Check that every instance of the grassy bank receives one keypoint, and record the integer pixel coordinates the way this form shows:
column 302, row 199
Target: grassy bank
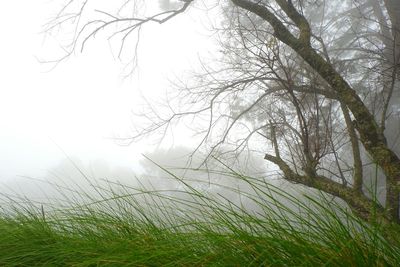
column 118, row 225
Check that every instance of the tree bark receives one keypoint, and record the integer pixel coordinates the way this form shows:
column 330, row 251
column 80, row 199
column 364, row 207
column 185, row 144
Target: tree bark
column 363, row 207
column 365, row 123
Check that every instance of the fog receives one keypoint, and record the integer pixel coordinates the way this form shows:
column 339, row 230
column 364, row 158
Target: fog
column 62, row 122
column 78, row 108
column 164, row 177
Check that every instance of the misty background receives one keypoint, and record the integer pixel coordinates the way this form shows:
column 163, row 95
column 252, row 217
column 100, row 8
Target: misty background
column 62, row 124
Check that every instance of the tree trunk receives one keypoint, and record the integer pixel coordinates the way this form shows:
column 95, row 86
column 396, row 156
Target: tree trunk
column 365, row 123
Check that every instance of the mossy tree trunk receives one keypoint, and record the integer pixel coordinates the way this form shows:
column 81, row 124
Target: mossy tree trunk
column 364, row 122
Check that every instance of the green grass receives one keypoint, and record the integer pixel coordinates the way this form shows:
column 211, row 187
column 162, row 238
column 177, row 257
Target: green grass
column 117, row 225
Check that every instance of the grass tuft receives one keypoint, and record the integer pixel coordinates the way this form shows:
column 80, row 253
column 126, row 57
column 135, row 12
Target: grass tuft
column 254, row 224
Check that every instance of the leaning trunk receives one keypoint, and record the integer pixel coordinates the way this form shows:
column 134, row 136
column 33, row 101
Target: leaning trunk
column 365, row 123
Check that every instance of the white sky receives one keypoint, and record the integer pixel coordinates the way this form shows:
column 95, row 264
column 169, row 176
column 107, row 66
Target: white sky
column 84, row 101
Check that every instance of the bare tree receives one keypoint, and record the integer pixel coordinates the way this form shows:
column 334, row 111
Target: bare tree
column 314, row 78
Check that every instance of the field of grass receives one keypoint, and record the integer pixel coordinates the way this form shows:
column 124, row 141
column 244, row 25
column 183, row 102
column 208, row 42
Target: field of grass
column 123, row 226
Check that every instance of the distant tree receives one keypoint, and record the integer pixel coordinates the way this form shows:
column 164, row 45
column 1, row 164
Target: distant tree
column 318, row 79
